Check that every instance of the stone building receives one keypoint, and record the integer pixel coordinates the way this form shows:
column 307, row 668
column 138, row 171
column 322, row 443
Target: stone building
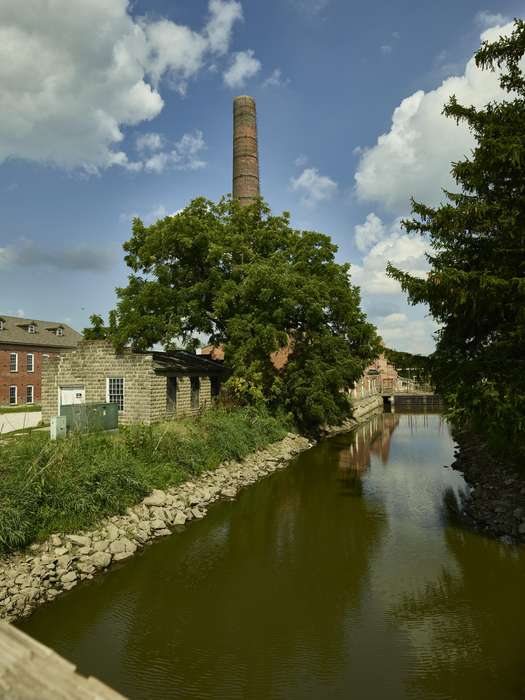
column 24, row 343
column 147, row 387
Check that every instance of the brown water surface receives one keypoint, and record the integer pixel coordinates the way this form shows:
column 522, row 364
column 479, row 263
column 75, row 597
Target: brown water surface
column 343, row 576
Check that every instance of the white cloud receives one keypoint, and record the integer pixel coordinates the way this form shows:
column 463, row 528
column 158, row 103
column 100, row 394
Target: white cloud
column 72, row 81
column 301, row 161
column 488, row 19
column 185, row 155
column 414, row 157
column 313, row 186
column 372, row 231
column 243, row 67
column 403, row 333
column 406, row 251
column 223, row 16
column 149, row 142
column 275, row 79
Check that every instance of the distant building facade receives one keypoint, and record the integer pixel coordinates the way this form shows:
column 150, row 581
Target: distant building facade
column 24, row 343
column 147, row 387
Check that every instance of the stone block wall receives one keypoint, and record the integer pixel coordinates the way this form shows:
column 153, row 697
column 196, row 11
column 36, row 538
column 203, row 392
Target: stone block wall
column 89, row 366
column 145, row 392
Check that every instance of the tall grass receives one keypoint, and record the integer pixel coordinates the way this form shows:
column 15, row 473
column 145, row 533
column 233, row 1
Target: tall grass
column 66, row 486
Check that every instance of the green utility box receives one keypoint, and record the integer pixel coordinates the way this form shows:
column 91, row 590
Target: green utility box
column 90, row 417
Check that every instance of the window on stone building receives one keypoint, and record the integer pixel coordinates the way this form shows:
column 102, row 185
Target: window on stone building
column 60, row 331
column 31, row 328
column 30, row 362
column 12, row 395
column 13, row 362
column 30, row 393
column 115, row 391
column 2, row 324
column 195, row 392
column 171, row 403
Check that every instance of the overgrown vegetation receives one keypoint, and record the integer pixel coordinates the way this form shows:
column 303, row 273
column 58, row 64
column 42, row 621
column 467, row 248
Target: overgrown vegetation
column 417, row 367
column 476, row 286
column 252, row 284
column 67, row 486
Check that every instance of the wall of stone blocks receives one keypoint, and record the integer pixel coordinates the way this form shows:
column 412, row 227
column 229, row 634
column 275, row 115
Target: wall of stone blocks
column 145, row 393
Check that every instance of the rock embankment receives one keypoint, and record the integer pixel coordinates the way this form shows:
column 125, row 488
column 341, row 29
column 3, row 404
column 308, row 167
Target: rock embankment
column 361, row 412
column 496, row 501
column 42, row 573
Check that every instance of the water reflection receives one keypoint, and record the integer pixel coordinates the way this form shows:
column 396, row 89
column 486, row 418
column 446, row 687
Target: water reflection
column 341, row 576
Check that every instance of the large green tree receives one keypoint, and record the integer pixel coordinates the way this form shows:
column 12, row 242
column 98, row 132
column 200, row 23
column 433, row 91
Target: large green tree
column 252, row 284
column 476, row 286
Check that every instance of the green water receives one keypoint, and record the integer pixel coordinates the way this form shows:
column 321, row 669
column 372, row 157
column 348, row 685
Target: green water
column 342, row 576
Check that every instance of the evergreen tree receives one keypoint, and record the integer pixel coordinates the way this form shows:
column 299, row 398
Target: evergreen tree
column 476, row 286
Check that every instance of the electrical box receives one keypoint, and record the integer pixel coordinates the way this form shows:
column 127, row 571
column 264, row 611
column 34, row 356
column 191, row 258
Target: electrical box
column 58, row 428
column 90, row 417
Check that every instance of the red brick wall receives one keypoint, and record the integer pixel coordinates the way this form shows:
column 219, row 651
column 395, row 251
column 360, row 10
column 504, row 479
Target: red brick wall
column 22, row 378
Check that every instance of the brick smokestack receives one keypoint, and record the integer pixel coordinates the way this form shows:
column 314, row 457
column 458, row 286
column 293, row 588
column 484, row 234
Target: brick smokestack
column 245, row 151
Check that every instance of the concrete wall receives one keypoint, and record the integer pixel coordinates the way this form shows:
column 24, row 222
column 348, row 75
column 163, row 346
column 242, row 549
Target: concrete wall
column 145, row 392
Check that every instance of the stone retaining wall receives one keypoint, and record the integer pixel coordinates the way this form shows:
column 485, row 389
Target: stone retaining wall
column 40, row 574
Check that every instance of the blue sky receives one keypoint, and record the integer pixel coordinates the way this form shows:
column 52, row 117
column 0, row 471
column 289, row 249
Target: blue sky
column 113, row 109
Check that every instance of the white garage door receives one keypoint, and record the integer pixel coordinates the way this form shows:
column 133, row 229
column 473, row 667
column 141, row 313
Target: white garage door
column 72, row 395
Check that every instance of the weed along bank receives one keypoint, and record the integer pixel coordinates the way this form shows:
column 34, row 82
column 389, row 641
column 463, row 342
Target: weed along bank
column 147, row 387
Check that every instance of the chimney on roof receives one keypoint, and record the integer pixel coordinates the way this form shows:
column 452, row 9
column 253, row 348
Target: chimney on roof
column 245, row 151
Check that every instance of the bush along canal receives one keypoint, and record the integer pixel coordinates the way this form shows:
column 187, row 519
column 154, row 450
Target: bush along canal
column 345, row 575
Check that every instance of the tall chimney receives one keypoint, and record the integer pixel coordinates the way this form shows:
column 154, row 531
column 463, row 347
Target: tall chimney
column 245, row 152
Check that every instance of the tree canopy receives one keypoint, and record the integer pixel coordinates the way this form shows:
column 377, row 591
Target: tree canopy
column 476, row 285
column 247, row 281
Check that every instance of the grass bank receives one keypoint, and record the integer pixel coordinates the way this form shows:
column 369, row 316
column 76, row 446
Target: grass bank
column 26, row 408
column 66, row 486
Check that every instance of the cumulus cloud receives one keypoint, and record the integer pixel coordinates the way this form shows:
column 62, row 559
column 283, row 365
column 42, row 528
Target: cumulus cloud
column 83, row 257
column 383, row 245
column 372, row 231
column 414, row 157
column 313, row 186
column 185, row 155
column 71, row 82
column 244, row 66
column 488, row 19
column 407, row 334
column 223, row 16
column 149, row 142
column 275, row 79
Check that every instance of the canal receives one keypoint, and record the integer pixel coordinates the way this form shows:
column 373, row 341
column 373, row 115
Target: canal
column 345, row 575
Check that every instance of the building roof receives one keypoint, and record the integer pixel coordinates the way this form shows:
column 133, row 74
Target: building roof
column 14, row 330
column 185, row 363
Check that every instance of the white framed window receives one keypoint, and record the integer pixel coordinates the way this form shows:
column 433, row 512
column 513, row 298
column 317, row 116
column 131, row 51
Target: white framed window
column 30, row 362
column 13, row 362
column 115, row 391
column 12, row 395
column 31, row 328
column 2, row 324
column 60, row 331
column 30, row 393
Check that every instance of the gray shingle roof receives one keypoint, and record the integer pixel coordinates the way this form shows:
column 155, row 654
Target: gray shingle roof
column 15, row 331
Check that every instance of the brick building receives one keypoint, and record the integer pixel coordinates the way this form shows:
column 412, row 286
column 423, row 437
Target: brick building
column 23, row 345
column 147, row 387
